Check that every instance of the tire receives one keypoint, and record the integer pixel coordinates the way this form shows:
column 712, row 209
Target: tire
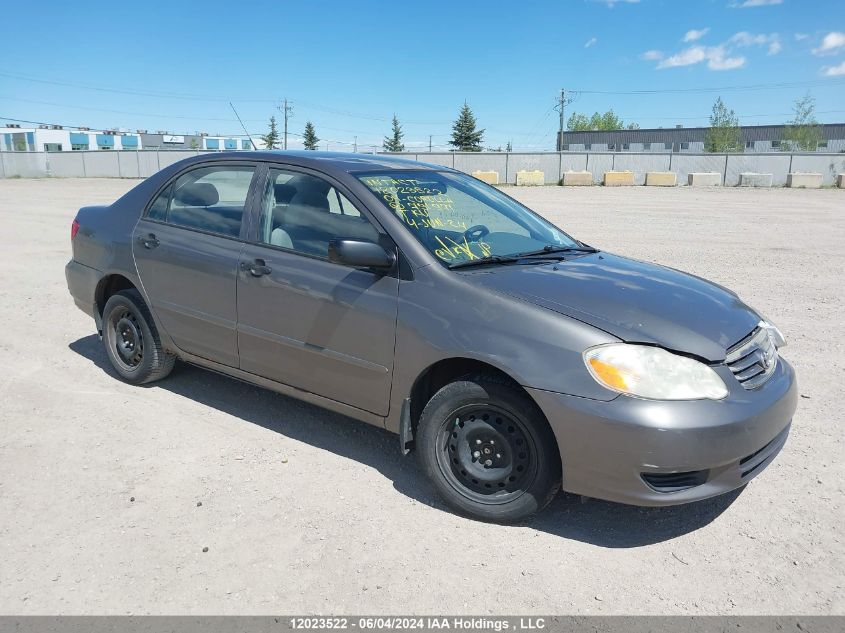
column 131, row 340
column 488, row 450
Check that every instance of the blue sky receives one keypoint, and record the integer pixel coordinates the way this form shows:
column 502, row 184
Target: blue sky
column 348, row 66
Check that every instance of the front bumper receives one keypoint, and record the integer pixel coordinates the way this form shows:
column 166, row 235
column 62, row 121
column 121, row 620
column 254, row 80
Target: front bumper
column 606, row 447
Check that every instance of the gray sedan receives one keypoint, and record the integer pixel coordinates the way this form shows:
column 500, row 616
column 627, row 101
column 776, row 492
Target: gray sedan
column 511, row 357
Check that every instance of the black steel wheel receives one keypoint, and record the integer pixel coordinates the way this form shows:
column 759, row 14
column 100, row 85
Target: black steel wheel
column 131, row 340
column 486, row 454
column 489, row 450
column 127, row 338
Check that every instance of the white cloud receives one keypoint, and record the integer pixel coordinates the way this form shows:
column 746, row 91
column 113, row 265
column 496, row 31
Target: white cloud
column 717, row 58
column 722, row 56
column 744, row 38
column 687, row 57
column 800, row 37
column 755, row 3
column 831, row 43
column 695, row 34
column 834, row 71
column 591, row 42
column 611, row 3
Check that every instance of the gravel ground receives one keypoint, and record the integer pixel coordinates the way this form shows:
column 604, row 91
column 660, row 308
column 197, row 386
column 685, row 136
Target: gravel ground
column 307, row 511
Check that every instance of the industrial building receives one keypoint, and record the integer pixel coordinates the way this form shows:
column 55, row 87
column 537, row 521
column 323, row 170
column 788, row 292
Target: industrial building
column 755, row 138
column 55, row 138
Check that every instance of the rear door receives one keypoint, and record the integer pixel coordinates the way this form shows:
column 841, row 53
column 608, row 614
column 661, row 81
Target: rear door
column 186, row 249
column 303, row 320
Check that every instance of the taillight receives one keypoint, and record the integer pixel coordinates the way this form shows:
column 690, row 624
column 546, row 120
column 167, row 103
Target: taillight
column 74, row 228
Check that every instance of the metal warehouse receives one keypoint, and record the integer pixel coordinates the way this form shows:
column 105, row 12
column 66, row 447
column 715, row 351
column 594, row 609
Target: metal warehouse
column 756, row 138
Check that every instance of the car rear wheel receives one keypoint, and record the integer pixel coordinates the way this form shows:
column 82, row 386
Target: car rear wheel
column 488, row 450
column 131, row 340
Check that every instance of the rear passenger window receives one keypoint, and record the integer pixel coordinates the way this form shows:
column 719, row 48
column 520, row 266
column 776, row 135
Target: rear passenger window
column 303, row 213
column 209, row 199
column 158, row 209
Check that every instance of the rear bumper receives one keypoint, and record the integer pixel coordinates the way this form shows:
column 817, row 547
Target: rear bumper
column 82, row 283
column 607, row 447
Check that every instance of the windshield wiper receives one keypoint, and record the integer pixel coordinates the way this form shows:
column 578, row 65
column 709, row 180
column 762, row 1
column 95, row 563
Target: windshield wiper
column 551, row 248
column 486, row 261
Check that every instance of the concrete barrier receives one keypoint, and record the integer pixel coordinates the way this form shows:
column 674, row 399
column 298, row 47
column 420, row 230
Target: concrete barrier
column 749, row 179
column 490, row 177
column 840, row 181
column 661, row 179
column 618, row 178
column 804, row 181
column 577, row 179
column 530, row 178
column 704, row 179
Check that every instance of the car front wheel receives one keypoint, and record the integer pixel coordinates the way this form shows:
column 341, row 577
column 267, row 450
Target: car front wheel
column 132, row 341
column 488, row 450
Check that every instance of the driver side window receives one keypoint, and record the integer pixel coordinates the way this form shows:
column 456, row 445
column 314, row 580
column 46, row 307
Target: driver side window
column 302, row 213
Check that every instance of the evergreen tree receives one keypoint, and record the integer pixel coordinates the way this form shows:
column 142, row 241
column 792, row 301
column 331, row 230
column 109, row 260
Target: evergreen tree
column 309, row 139
column 724, row 134
column 803, row 132
column 271, row 139
column 465, row 138
column 509, row 147
column 394, row 142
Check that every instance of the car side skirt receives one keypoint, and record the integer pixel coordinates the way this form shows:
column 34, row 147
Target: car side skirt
column 285, row 390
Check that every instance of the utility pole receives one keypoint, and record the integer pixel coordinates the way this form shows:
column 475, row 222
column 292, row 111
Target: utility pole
column 286, row 110
column 355, row 146
column 563, row 100
column 561, row 105
column 429, row 143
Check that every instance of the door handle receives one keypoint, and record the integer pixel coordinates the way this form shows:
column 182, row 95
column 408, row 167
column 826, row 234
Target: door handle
column 150, row 241
column 256, row 268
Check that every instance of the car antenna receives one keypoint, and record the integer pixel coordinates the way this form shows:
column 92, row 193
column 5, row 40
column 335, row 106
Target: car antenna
column 242, row 125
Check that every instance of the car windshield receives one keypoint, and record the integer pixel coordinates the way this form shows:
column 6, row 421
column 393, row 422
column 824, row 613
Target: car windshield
column 460, row 219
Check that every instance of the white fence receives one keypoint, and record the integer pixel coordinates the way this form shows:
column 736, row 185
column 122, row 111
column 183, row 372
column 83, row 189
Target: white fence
column 140, row 164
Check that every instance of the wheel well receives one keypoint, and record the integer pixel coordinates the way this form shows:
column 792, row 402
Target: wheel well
column 442, row 373
column 109, row 285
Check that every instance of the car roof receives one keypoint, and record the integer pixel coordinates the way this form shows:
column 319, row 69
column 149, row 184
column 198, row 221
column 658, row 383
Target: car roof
column 327, row 161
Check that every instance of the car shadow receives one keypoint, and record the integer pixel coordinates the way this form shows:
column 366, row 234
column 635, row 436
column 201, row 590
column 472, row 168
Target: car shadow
column 600, row 523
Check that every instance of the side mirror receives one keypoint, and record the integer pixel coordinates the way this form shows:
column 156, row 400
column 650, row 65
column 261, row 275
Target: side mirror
column 360, row 254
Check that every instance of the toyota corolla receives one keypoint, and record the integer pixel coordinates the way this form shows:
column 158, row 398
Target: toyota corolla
column 511, row 357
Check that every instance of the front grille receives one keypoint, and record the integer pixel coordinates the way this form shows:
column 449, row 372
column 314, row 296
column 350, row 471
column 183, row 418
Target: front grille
column 753, row 360
column 675, row 482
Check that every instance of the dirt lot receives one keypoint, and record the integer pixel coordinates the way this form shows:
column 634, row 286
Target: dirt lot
column 307, row 511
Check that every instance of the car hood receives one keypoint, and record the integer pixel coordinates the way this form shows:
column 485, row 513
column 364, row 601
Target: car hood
column 632, row 300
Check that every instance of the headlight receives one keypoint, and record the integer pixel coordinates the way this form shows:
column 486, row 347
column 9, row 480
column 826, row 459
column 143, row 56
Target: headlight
column 774, row 333
column 652, row 372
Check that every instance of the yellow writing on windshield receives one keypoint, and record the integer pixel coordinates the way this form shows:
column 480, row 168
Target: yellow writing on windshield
column 450, row 249
column 419, row 204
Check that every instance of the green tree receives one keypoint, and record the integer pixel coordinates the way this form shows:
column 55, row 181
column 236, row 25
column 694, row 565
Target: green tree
column 609, row 121
column 509, row 147
column 194, row 144
column 393, row 143
column 465, row 138
column 803, row 132
column 271, row 139
column 309, row 139
column 724, row 134
column 606, row 122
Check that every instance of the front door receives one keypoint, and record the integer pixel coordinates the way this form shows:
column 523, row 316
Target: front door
column 186, row 249
column 303, row 320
